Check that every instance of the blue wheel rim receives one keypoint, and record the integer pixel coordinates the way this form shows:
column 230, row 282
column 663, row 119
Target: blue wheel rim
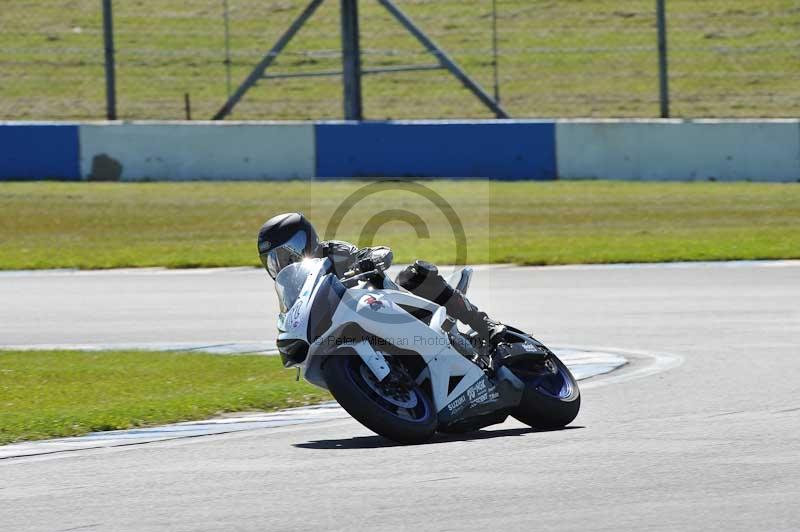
column 421, row 412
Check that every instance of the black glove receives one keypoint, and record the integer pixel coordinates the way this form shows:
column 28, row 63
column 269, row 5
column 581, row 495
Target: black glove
column 365, row 265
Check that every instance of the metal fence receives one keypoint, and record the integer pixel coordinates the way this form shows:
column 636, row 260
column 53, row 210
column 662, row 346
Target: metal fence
column 541, row 58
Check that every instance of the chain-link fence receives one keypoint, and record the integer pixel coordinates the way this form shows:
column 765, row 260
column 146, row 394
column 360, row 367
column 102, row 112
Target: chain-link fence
column 543, row 58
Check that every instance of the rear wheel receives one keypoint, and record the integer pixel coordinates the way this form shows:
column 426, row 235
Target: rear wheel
column 551, row 398
column 396, row 408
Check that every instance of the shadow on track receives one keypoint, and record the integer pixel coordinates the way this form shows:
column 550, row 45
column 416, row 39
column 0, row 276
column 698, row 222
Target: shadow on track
column 376, row 442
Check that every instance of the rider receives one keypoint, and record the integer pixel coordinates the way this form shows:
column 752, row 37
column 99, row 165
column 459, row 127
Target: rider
column 288, row 238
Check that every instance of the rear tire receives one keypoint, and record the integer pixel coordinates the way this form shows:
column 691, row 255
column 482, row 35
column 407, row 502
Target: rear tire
column 346, row 381
column 550, row 401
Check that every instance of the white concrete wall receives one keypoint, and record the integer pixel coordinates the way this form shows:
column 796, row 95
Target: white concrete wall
column 725, row 150
column 212, row 150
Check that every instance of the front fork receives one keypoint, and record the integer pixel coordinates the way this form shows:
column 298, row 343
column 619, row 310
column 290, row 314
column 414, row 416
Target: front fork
column 374, row 360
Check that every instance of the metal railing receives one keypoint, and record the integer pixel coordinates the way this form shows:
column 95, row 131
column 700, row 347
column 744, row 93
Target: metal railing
column 175, row 59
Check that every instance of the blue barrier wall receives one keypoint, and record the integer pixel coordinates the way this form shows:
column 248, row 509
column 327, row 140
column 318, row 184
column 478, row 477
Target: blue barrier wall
column 734, row 150
column 494, row 149
column 39, row 151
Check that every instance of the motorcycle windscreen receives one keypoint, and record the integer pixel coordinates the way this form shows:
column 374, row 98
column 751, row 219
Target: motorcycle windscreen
column 289, row 282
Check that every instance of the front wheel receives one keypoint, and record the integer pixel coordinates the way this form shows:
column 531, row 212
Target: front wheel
column 551, row 399
column 396, row 409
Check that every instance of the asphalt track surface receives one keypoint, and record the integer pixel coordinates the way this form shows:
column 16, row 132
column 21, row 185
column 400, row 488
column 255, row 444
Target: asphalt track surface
column 711, row 444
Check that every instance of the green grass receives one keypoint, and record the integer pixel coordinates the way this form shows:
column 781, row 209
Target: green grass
column 108, row 225
column 48, row 394
column 567, row 58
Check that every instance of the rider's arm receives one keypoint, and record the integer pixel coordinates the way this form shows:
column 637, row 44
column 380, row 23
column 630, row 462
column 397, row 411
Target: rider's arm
column 341, row 253
column 345, row 255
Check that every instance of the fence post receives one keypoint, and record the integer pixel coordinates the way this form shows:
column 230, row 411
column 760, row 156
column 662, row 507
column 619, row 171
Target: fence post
column 228, row 65
column 351, row 59
column 111, row 83
column 495, row 53
column 663, row 69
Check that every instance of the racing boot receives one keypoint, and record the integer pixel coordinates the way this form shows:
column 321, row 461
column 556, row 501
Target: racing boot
column 423, row 279
column 491, row 331
column 460, row 308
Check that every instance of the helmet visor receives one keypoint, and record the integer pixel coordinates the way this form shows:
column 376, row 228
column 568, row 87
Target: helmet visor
column 288, row 253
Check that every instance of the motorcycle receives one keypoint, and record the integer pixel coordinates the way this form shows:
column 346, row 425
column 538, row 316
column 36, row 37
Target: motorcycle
column 401, row 367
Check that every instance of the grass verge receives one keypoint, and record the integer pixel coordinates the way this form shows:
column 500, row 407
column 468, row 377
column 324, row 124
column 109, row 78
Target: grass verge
column 49, row 394
column 112, row 225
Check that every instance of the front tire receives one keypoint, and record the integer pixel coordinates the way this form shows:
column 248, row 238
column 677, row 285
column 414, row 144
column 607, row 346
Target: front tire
column 348, row 380
column 551, row 399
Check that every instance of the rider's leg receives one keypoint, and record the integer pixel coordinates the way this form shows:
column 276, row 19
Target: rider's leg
column 423, row 279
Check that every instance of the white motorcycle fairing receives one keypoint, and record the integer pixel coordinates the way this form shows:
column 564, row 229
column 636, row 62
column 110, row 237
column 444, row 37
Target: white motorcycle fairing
column 322, row 316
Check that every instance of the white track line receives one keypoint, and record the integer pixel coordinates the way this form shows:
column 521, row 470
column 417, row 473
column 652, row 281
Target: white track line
column 583, row 362
column 660, row 362
column 477, row 267
column 676, row 265
column 217, row 348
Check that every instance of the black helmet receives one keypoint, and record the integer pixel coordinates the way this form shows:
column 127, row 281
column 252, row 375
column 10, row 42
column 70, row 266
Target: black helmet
column 285, row 239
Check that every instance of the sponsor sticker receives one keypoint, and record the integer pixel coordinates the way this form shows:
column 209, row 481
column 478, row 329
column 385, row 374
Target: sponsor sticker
column 481, row 392
column 373, row 303
column 476, row 389
column 293, row 315
column 457, row 403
